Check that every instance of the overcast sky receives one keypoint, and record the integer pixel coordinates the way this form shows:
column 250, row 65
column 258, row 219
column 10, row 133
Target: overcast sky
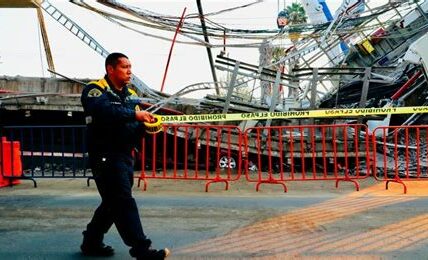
column 22, row 53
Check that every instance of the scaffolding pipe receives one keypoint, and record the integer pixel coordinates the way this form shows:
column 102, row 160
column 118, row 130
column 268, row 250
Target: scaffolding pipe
column 210, row 57
column 172, row 46
column 45, row 38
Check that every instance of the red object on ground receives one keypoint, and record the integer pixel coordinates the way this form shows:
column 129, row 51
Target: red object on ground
column 10, row 162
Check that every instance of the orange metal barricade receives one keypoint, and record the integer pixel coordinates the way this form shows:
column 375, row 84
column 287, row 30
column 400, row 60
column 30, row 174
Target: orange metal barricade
column 193, row 152
column 400, row 154
column 279, row 154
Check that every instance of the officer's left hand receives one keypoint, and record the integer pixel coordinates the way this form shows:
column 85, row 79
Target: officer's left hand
column 144, row 116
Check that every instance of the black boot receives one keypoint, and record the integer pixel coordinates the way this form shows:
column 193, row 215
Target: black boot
column 97, row 250
column 145, row 252
column 153, row 254
column 93, row 246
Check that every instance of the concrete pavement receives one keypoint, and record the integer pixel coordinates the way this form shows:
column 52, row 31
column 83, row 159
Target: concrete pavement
column 312, row 221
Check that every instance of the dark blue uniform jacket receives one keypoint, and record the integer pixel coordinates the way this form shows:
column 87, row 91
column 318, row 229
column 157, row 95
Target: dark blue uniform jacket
column 112, row 128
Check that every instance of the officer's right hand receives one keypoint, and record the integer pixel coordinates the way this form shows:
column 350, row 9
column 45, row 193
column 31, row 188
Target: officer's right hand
column 144, row 116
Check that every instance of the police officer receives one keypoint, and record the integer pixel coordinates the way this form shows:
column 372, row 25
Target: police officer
column 113, row 129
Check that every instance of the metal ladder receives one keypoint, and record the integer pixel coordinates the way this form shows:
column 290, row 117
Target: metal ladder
column 75, row 29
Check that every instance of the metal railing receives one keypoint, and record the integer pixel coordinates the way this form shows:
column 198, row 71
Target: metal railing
column 400, row 154
column 221, row 153
column 307, row 153
column 45, row 151
column 211, row 153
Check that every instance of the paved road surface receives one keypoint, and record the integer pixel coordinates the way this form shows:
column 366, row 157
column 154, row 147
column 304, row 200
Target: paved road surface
column 312, row 221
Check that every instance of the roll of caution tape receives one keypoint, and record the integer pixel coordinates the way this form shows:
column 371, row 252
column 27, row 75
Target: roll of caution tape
column 154, row 127
column 322, row 113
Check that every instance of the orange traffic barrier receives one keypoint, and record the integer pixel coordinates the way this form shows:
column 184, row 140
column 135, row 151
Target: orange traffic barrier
column 10, row 162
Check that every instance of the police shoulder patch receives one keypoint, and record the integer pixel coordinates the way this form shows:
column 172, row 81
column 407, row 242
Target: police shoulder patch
column 94, row 92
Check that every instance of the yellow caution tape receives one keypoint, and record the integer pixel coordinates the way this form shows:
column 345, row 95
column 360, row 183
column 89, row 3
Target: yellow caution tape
column 345, row 112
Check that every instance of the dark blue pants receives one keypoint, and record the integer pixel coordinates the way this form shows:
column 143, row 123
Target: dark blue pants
column 114, row 178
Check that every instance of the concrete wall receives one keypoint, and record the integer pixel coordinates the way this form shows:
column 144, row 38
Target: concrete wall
column 44, row 85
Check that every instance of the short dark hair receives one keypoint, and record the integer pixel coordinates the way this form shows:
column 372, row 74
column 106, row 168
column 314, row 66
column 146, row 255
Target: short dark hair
column 113, row 59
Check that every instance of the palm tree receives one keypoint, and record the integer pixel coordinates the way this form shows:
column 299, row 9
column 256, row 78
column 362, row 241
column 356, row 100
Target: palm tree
column 297, row 16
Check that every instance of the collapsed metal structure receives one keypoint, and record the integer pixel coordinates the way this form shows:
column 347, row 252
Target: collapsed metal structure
column 381, row 65
column 315, row 72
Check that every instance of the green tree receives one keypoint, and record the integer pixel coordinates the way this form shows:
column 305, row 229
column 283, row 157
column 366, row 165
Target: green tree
column 297, row 16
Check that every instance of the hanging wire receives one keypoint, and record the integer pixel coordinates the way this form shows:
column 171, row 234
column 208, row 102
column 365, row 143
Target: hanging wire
column 112, row 18
column 218, row 32
column 344, row 26
column 229, row 9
